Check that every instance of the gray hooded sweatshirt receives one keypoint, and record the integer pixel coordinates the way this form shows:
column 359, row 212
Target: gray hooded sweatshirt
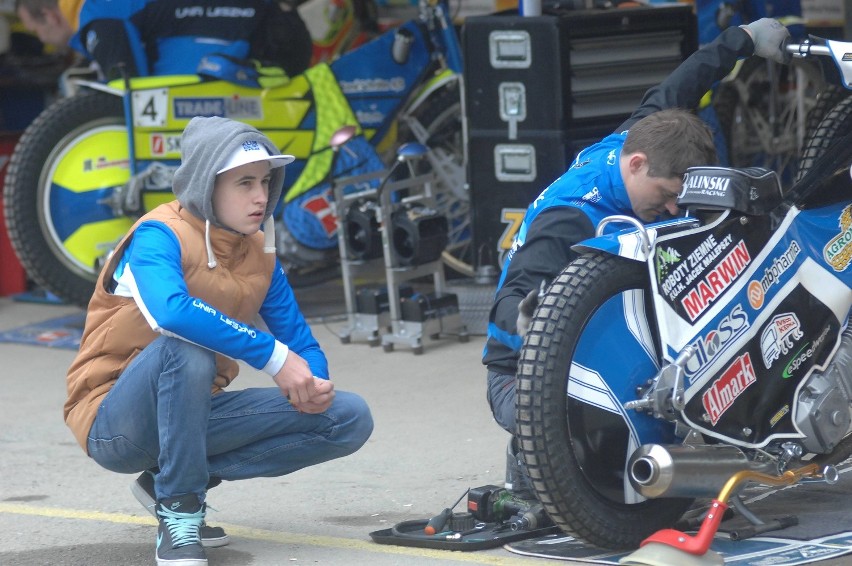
column 206, row 146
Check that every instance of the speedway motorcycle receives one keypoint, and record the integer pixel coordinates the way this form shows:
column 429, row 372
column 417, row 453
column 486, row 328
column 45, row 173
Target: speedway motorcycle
column 691, row 358
column 93, row 162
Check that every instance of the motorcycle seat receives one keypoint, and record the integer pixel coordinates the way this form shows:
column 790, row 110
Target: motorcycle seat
column 752, row 190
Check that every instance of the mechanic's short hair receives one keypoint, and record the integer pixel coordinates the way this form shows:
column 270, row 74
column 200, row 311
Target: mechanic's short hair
column 673, row 140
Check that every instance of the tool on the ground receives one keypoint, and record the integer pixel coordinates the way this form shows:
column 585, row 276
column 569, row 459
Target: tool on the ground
column 493, row 518
column 438, row 522
column 493, row 504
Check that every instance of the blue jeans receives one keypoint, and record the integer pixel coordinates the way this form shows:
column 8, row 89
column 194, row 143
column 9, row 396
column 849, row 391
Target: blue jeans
column 502, row 394
column 160, row 413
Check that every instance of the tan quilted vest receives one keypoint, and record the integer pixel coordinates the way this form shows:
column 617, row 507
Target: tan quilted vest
column 116, row 330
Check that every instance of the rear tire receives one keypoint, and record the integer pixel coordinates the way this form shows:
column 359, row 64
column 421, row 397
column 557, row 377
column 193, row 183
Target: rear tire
column 575, row 451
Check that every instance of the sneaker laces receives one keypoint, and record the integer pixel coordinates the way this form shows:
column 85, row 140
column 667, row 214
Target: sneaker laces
column 184, row 528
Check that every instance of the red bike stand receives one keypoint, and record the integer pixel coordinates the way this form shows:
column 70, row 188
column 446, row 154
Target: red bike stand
column 670, row 547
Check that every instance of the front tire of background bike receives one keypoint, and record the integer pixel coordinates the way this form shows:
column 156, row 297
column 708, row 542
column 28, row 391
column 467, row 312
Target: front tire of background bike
column 576, row 452
column 441, row 117
column 31, row 217
column 737, row 117
column 836, row 123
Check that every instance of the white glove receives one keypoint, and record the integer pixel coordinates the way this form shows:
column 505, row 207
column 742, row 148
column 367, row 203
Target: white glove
column 526, row 309
column 769, row 37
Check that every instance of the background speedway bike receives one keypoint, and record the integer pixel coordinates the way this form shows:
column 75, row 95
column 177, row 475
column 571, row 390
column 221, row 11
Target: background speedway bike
column 92, row 162
column 767, row 111
column 734, row 347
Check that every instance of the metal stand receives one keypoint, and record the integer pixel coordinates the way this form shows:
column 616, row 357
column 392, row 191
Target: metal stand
column 360, row 326
column 408, row 318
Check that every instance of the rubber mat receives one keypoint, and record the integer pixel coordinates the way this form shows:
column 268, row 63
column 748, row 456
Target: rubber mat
column 62, row 332
column 486, row 535
column 824, row 529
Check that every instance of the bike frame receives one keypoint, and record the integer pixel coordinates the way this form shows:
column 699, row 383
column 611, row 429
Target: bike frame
column 759, row 299
column 374, row 88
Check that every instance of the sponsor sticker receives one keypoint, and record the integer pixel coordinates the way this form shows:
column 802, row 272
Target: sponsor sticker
column 838, row 251
column 755, row 295
column 320, row 207
column 102, row 163
column 779, row 415
column 716, row 281
column 373, row 86
column 772, row 275
column 666, row 259
column 163, row 145
column 778, row 337
column 697, row 261
column 709, row 185
column 708, row 348
column 805, row 353
column 720, row 396
column 235, row 107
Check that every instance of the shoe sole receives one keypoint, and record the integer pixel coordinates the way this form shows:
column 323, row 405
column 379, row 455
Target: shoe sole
column 181, row 562
column 142, row 497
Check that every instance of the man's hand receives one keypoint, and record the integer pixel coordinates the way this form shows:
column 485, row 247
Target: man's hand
column 769, row 37
column 321, row 398
column 526, row 309
column 295, row 379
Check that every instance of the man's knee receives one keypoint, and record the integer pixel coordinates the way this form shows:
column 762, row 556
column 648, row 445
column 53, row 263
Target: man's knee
column 355, row 420
column 189, row 359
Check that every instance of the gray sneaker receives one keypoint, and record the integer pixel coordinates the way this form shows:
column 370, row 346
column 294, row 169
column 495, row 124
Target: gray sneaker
column 178, row 539
column 143, row 490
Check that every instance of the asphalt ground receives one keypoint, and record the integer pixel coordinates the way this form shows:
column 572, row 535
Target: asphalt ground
column 434, row 437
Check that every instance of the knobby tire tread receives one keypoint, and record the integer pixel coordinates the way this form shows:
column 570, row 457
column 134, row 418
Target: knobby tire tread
column 542, row 429
column 836, row 123
column 22, row 193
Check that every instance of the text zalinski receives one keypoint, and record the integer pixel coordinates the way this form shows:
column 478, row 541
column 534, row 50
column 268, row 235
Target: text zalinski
column 707, row 182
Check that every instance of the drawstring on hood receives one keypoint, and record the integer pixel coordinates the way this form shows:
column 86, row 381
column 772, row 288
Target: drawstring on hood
column 207, row 146
column 211, row 257
column 269, row 235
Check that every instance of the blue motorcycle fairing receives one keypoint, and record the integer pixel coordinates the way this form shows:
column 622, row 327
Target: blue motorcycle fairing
column 605, row 381
column 374, row 84
column 627, row 243
column 310, row 217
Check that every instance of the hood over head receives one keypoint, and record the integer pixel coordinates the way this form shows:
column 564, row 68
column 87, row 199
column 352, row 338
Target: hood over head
column 211, row 145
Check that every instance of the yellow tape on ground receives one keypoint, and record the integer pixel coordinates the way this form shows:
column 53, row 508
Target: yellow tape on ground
column 279, row 537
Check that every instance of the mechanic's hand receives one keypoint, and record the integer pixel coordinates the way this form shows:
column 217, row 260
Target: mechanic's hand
column 295, row 379
column 769, row 36
column 526, row 309
column 321, row 398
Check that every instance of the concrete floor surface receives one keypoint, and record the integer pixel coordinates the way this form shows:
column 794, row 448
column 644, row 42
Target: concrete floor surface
column 434, row 437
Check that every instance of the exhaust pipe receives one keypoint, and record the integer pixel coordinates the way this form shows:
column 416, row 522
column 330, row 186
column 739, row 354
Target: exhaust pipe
column 684, row 470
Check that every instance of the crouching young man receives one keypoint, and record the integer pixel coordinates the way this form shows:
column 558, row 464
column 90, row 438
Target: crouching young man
column 172, row 309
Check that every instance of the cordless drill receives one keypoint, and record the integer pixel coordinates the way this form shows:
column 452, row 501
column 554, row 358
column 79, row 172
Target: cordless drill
column 492, row 504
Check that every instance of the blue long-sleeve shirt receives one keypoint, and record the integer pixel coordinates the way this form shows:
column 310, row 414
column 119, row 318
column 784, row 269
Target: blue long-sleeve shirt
column 150, row 273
